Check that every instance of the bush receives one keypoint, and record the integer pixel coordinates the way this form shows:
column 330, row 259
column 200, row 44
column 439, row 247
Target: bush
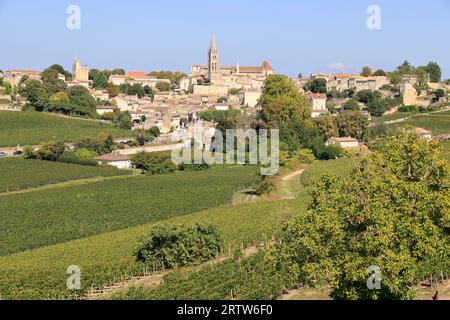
column 173, row 246
column 51, row 151
column 71, row 157
column 85, row 154
column 265, row 187
column 304, row 156
column 154, row 163
column 408, row 109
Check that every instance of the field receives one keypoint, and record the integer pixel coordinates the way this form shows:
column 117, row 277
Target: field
column 41, row 273
column 437, row 123
column 31, row 128
column 41, row 218
column 392, row 117
column 18, row 173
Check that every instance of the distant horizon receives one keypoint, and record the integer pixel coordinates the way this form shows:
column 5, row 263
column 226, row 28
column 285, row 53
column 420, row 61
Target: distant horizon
column 294, row 36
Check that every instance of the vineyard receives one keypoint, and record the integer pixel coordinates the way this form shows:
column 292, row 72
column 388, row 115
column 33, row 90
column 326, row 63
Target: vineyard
column 19, row 174
column 47, row 217
column 31, row 128
column 105, row 258
column 251, row 279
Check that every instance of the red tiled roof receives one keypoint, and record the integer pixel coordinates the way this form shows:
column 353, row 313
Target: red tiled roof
column 136, row 74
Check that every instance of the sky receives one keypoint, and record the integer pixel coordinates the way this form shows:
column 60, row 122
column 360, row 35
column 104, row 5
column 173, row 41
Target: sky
column 295, row 36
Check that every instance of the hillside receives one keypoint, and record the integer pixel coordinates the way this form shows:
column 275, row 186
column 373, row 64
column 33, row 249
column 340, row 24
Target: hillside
column 31, row 128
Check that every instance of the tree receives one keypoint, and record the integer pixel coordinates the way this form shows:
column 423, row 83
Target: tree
column 391, row 214
column 376, row 108
column 352, row 105
column 366, row 71
column 60, row 97
column 379, row 73
column 82, row 100
column 440, row 93
column 51, row 81
column 326, row 126
column 351, row 124
column 174, row 246
column 113, row 90
column 51, row 151
column 366, row 96
column 154, row 132
column 163, row 86
column 222, row 100
column 281, row 102
column 100, row 81
column 318, row 85
column 434, row 70
column 154, row 163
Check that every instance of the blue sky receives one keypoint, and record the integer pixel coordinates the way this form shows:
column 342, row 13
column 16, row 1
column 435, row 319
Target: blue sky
column 294, row 35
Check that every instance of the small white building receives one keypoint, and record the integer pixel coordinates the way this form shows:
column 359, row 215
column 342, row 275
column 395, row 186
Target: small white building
column 423, row 134
column 318, row 101
column 251, row 97
column 115, row 160
column 347, row 143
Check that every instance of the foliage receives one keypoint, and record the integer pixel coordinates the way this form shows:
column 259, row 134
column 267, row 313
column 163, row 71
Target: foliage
column 222, row 100
column 50, row 151
column 376, row 108
column 154, row 163
column 85, row 154
column 391, row 212
column 351, row 104
column 132, row 90
column 351, row 124
column 379, row 73
column 326, row 126
column 318, row 85
column 154, row 132
column 281, row 102
column 367, row 96
column 102, row 144
column 174, row 246
column 163, row 86
column 366, row 71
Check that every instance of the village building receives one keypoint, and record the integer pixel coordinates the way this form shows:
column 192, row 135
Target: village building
column 318, row 101
column 347, row 143
column 136, row 77
column 14, row 76
column 114, row 159
column 80, row 72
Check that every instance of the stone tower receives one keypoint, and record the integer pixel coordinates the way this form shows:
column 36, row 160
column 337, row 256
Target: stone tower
column 213, row 58
column 80, row 72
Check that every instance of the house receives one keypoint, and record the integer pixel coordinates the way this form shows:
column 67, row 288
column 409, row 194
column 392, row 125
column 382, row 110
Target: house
column 423, row 134
column 347, row 143
column 318, row 101
column 101, row 110
column 14, row 76
column 115, row 160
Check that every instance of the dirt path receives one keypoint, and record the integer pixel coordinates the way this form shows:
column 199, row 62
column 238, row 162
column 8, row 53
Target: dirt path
column 286, row 190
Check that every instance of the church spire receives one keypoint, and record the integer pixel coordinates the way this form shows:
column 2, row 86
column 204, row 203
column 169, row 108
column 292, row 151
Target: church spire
column 213, row 46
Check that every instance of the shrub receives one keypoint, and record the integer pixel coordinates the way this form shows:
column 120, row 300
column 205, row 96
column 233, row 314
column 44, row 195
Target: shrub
column 304, row 156
column 51, row 151
column 173, row 246
column 154, row 163
column 408, row 109
column 85, row 154
column 71, row 157
column 265, row 187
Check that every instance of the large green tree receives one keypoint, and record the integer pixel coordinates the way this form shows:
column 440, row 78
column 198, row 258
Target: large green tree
column 391, row 215
column 351, row 124
column 281, row 102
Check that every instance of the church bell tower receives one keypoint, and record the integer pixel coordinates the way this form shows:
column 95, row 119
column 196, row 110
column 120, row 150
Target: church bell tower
column 213, row 58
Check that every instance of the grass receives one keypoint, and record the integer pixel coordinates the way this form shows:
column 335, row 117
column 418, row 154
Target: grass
column 36, row 219
column 446, row 146
column 19, row 174
column 41, row 273
column 392, row 117
column 31, row 128
column 437, row 123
